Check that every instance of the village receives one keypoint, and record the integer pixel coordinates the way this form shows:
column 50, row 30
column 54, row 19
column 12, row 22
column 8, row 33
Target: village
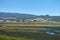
column 11, row 19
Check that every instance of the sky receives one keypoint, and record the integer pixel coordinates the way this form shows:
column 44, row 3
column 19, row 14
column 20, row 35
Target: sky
column 35, row 7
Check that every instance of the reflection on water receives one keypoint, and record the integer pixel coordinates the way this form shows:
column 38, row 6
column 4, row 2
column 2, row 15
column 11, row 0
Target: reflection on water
column 51, row 33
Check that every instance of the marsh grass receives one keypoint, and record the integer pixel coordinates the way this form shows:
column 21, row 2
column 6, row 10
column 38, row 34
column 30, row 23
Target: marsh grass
column 4, row 37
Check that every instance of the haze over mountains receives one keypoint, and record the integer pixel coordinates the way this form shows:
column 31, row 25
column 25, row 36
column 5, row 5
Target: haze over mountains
column 22, row 16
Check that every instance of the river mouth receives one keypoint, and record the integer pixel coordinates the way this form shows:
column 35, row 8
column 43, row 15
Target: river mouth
column 44, row 33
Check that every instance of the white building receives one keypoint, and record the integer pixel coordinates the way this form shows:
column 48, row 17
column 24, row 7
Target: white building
column 36, row 20
column 1, row 20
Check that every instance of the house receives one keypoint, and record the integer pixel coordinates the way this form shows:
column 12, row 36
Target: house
column 39, row 20
column 36, row 20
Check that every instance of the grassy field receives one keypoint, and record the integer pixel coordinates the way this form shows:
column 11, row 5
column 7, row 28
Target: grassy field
column 28, row 36
column 27, row 33
column 28, row 28
column 4, row 37
column 29, row 23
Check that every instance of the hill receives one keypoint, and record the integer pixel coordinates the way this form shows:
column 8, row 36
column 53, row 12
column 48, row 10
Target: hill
column 51, row 18
column 23, row 16
column 17, row 15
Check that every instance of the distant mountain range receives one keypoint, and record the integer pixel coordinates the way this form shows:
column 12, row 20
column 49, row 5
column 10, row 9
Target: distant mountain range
column 22, row 16
column 17, row 15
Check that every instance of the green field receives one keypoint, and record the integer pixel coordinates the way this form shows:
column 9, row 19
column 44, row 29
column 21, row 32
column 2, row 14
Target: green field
column 27, row 33
column 5, row 37
column 30, row 23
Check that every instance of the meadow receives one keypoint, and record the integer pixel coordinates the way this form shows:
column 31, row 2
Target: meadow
column 5, row 37
column 28, row 33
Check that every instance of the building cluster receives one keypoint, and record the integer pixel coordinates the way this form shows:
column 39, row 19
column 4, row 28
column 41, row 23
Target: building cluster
column 36, row 20
column 10, row 19
column 27, row 20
